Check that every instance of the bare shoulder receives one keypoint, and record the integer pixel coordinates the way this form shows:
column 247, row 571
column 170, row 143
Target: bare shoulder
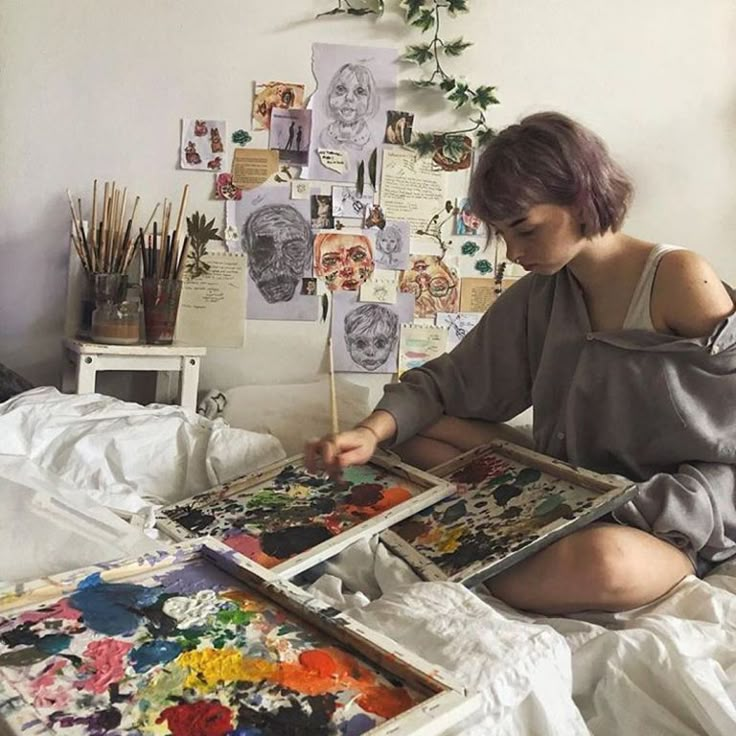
column 688, row 296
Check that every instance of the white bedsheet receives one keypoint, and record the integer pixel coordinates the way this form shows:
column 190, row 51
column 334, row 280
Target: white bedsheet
column 67, row 460
column 668, row 668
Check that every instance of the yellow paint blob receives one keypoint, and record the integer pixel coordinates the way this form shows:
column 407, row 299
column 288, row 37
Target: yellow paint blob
column 208, row 667
column 450, row 540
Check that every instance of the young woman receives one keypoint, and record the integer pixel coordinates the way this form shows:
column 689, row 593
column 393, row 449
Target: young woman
column 624, row 348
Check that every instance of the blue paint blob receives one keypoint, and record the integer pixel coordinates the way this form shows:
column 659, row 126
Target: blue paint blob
column 357, row 725
column 158, row 651
column 53, row 643
column 246, row 731
column 90, row 581
column 112, row 608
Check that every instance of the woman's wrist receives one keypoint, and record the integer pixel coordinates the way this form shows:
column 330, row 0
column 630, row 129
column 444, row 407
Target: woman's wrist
column 371, row 430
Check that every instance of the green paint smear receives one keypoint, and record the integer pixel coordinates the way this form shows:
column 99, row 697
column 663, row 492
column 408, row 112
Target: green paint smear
column 360, row 474
column 528, row 475
column 269, row 499
column 235, row 615
column 499, row 479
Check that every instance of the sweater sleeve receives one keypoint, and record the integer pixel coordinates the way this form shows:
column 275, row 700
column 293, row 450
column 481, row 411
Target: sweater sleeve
column 694, row 507
column 487, row 376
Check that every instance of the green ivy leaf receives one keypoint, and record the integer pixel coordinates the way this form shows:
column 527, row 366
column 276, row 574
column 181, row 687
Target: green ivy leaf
column 447, row 84
column 412, row 7
column 422, row 143
column 418, row 53
column 425, row 20
column 454, row 147
column 484, row 96
column 459, row 95
column 485, row 136
column 359, row 11
column 457, row 6
column 456, row 47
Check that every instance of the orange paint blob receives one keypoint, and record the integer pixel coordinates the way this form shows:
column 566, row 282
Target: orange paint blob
column 320, row 661
column 385, row 701
column 391, row 497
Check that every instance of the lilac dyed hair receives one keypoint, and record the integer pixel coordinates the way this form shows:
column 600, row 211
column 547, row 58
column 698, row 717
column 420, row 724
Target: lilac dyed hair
column 548, row 158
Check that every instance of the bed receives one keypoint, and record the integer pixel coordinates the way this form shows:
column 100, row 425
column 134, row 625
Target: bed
column 80, row 476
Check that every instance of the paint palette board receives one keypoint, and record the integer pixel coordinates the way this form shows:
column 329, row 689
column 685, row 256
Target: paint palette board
column 509, row 502
column 288, row 520
column 197, row 640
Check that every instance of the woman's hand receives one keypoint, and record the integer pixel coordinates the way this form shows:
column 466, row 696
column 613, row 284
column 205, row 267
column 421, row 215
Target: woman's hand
column 332, row 453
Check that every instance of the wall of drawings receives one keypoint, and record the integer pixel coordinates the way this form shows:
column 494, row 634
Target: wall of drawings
column 342, row 223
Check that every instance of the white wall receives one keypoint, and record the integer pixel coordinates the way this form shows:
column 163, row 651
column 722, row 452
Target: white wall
column 95, row 88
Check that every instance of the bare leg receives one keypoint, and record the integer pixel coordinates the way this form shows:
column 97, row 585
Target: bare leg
column 604, row 567
column 451, row 436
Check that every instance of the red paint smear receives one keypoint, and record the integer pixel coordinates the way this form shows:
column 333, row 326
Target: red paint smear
column 203, row 718
column 251, row 547
column 384, row 701
column 320, row 661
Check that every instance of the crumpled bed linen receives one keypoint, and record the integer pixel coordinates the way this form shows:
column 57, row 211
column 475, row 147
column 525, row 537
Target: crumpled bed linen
column 126, row 456
column 666, row 669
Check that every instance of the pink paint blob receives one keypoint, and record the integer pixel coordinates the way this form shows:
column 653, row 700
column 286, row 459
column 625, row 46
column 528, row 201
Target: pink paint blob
column 60, row 609
column 103, row 659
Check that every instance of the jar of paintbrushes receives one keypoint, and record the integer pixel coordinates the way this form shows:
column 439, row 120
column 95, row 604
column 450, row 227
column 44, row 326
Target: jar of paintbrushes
column 106, row 248
column 163, row 259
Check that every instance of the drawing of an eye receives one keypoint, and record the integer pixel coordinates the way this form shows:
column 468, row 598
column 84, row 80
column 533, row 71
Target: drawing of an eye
column 358, row 255
column 439, row 286
column 362, row 91
column 340, row 89
column 330, row 260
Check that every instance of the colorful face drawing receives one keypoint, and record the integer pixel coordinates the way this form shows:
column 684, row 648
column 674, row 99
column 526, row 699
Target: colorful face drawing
column 277, row 240
column 434, row 286
column 371, row 331
column 344, row 261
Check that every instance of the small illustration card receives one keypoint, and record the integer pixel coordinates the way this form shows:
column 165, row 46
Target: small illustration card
column 203, row 145
column 458, row 325
column 288, row 520
column 509, row 502
column 419, row 343
column 198, row 640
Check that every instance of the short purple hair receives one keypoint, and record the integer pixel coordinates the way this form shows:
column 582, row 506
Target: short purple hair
column 548, row 158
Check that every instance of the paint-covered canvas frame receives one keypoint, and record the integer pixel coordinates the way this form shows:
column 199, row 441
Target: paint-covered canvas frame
column 463, row 538
column 433, row 700
column 233, row 497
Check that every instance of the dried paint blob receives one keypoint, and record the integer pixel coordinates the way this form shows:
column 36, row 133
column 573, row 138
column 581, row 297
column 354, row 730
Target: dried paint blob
column 219, row 661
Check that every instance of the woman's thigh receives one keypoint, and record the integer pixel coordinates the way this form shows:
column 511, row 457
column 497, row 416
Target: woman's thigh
column 449, row 436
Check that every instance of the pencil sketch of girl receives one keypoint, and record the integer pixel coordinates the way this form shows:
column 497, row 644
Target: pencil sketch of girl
column 351, row 103
column 278, row 242
column 389, row 244
column 371, row 332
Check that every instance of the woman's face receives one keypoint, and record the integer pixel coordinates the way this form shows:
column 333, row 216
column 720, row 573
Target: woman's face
column 389, row 242
column 349, row 98
column 543, row 240
column 343, row 261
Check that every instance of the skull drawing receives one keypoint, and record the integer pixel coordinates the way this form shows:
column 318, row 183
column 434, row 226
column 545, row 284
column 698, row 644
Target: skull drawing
column 278, row 242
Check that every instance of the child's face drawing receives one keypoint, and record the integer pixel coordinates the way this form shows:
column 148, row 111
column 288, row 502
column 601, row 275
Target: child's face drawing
column 349, row 98
column 343, row 261
column 370, row 351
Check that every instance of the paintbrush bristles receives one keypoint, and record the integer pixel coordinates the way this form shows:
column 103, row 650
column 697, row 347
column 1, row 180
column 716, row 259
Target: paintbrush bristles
column 107, row 244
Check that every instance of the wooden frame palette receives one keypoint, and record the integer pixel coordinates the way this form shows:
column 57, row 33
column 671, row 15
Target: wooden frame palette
column 509, row 502
column 197, row 640
column 288, row 520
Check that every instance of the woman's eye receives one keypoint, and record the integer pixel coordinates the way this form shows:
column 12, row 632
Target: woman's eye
column 527, row 233
column 340, row 89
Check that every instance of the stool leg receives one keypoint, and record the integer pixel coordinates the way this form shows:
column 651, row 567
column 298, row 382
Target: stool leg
column 68, row 372
column 189, row 383
column 86, row 374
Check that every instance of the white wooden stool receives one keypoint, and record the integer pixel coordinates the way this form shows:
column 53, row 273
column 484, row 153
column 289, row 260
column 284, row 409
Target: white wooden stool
column 83, row 360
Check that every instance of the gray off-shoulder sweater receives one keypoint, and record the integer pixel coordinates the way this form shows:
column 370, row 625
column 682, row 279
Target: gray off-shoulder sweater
column 656, row 408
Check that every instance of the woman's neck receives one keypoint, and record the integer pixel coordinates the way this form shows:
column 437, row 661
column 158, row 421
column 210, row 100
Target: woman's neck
column 601, row 257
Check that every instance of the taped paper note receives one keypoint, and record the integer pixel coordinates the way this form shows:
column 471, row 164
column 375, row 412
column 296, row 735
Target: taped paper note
column 333, row 160
column 252, row 166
